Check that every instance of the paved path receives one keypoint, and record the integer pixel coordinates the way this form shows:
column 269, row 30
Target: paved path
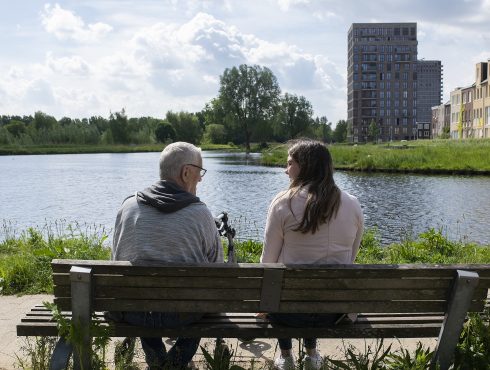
column 12, row 308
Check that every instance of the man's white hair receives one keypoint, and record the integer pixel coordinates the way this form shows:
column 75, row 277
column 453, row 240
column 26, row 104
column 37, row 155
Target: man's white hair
column 174, row 156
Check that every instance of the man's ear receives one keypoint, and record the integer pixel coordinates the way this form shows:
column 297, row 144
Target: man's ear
column 184, row 174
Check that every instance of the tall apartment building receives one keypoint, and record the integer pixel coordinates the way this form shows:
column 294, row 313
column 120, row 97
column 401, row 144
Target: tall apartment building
column 429, row 94
column 382, row 81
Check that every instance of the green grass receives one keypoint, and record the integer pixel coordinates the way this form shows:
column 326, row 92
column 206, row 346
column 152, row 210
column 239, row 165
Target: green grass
column 85, row 149
column 25, row 260
column 422, row 156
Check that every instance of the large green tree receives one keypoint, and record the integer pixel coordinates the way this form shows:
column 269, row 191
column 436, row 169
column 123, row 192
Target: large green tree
column 340, row 132
column 295, row 115
column 248, row 96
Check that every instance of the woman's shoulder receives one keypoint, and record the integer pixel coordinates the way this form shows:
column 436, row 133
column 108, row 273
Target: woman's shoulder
column 348, row 198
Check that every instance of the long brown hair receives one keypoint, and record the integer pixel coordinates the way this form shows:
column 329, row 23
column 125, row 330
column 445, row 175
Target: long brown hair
column 316, row 173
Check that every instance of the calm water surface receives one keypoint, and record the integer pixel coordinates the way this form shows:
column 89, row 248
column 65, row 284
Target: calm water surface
column 89, row 188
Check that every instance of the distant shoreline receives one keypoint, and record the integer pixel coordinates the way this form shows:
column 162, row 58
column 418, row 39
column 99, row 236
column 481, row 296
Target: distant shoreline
column 426, row 157
column 95, row 149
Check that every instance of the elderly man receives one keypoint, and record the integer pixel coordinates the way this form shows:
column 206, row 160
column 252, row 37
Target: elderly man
column 168, row 223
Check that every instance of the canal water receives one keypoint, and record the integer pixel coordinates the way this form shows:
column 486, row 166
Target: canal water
column 87, row 189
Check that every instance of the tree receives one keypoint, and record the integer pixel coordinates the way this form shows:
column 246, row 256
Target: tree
column 165, row 132
column 118, row 125
column 340, row 132
column 16, row 128
column 44, row 122
column 323, row 129
column 215, row 134
column 373, row 131
column 186, row 126
column 248, row 96
column 295, row 114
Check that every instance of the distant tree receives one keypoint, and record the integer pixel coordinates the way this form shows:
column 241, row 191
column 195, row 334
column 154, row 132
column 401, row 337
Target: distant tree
column 186, row 126
column 323, row 129
column 340, row 132
column 101, row 123
column 446, row 132
column 295, row 114
column 165, row 132
column 65, row 121
column 373, row 131
column 248, row 96
column 215, row 134
column 118, row 124
column 44, row 122
column 16, row 128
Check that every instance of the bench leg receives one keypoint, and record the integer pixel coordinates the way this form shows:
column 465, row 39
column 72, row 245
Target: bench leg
column 61, row 355
column 81, row 305
column 459, row 303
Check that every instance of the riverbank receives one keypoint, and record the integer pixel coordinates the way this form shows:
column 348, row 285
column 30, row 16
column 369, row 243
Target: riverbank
column 91, row 149
column 461, row 157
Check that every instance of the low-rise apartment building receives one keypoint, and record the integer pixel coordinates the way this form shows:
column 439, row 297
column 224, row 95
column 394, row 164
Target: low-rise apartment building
column 470, row 107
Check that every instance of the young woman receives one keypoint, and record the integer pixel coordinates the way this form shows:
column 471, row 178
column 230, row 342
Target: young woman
column 312, row 222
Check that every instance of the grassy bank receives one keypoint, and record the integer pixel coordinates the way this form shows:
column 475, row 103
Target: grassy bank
column 420, row 156
column 25, row 259
column 85, row 149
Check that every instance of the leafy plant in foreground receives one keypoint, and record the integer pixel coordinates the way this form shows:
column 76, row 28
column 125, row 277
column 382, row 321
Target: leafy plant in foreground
column 72, row 332
column 473, row 350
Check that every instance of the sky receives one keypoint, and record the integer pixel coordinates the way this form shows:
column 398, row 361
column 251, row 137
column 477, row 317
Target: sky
column 79, row 58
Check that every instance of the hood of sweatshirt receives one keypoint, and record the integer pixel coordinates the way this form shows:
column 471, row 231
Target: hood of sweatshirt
column 166, row 196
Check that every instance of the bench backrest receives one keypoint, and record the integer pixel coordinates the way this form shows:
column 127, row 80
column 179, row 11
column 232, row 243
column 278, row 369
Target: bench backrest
column 268, row 287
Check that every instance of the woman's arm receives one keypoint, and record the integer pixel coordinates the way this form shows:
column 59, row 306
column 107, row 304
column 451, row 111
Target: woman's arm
column 360, row 230
column 273, row 235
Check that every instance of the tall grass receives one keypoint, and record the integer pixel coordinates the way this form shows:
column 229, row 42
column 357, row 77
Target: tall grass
column 425, row 156
column 25, row 259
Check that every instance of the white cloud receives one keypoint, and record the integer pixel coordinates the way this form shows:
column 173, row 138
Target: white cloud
column 40, row 93
column 284, row 5
column 65, row 25
column 74, row 65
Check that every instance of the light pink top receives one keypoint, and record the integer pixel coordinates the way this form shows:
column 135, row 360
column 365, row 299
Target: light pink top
column 336, row 242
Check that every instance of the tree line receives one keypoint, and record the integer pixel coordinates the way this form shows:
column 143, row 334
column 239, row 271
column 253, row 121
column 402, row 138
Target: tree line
column 249, row 108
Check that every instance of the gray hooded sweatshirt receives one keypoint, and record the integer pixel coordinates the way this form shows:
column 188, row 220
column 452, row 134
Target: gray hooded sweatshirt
column 164, row 223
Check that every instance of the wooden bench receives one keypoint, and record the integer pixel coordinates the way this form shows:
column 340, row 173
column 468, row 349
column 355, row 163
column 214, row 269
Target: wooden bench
column 403, row 301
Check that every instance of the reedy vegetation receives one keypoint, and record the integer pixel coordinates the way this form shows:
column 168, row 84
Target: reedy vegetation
column 426, row 156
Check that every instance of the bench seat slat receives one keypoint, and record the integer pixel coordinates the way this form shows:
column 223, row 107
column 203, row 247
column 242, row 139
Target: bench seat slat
column 253, row 306
column 233, row 329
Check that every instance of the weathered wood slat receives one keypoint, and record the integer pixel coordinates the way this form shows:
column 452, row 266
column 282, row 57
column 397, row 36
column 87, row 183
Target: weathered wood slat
column 253, row 306
column 166, row 282
column 363, row 295
column 231, row 329
column 422, row 270
column 365, row 283
column 168, row 293
column 166, row 305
